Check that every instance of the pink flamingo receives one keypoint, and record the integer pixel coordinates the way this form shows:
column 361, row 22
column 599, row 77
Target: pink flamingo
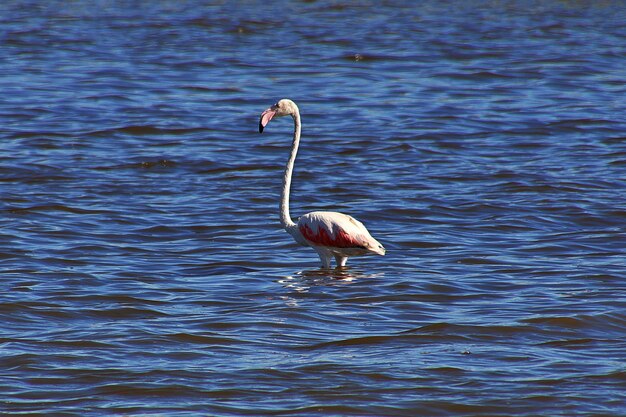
column 331, row 234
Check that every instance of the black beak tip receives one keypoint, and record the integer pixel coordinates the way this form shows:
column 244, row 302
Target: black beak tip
column 260, row 128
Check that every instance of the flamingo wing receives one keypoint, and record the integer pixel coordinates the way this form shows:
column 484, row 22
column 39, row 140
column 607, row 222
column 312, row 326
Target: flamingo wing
column 337, row 230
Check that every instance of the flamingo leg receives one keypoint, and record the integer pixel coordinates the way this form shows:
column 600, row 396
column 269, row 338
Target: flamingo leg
column 341, row 260
column 325, row 261
column 325, row 257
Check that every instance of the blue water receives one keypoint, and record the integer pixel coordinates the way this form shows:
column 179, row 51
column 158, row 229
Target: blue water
column 143, row 268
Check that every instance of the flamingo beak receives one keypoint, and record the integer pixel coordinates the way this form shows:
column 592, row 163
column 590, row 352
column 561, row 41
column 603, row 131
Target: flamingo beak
column 266, row 116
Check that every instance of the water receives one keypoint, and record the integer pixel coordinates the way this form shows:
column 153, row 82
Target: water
column 144, row 271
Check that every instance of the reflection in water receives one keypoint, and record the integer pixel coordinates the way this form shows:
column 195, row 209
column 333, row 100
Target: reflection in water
column 302, row 281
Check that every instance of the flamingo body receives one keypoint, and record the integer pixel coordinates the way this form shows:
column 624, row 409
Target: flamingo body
column 337, row 235
column 331, row 234
column 338, row 231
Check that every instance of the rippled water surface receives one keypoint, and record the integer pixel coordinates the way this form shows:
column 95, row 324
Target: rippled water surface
column 143, row 267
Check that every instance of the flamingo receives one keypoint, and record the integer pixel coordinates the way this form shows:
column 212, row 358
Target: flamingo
column 329, row 233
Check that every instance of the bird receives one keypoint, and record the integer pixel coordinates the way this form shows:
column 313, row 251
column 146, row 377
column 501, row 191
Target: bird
column 329, row 233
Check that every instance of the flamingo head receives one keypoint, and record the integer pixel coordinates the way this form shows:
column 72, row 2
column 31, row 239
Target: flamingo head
column 284, row 107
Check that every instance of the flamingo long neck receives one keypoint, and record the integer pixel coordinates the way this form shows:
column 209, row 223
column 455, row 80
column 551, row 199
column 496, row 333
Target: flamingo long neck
column 285, row 217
